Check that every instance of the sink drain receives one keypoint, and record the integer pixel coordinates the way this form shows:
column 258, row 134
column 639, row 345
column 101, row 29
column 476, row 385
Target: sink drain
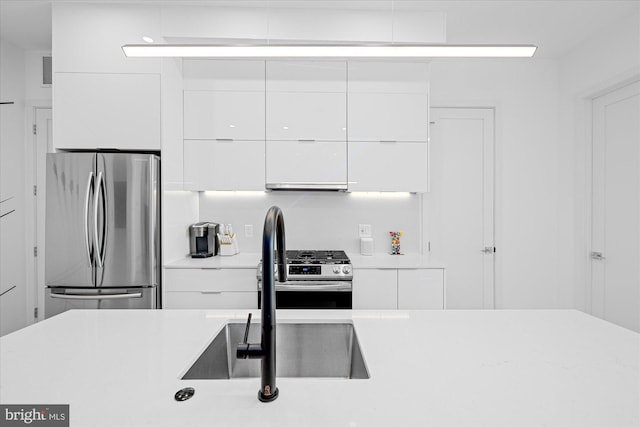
column 184, row 394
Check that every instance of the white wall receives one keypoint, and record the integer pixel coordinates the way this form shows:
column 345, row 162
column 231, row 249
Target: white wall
column 532, row 260
column 609, row 58
column 319, row 220
column 35, row 92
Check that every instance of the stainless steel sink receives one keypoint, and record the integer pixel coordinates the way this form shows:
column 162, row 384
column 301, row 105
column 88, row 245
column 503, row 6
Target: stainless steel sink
column 320, row 350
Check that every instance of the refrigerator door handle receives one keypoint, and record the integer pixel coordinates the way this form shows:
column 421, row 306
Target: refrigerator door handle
column 96, row 297
column 87, row 242
column 99, row 245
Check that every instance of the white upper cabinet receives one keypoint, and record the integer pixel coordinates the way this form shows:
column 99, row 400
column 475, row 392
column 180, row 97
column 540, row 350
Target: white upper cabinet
column 224, row 120
column 223, row 165
column 388, row 166
column 306, row 76
column 306, row 110
column 306, row 164
column 388, row 117
column 306, row 100
column 388, row 101
column 223, row 99
column 223, row 75
column 117, row 111
column 306, row 116
column 388, row 126
column 223, row 115
column 388, row 77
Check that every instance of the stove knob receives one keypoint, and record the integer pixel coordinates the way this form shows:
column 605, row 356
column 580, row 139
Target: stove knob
column 346, row 269
column 336, row 269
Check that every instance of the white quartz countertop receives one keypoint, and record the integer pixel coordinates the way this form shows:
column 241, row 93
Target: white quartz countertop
column 240, row 260
column 251, row 259
column 386, row 261
column 428, row 368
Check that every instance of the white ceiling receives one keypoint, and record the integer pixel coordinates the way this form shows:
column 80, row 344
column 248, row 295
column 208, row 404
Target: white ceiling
column 555, row 26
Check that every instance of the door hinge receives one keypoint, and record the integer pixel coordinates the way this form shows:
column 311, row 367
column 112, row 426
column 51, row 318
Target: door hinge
column 429, row 246
column 35, row 129
column 35, row 312
column 35, row 190
column 489, row 249
column 35, row 251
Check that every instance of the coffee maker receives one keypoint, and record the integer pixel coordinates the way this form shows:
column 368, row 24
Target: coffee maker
column 203, row 239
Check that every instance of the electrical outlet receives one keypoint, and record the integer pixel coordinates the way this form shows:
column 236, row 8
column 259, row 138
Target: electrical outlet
column 364, row 230
column 248, row 230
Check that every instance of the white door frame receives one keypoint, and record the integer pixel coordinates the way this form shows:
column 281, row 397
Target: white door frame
column 490, row 164
column 595, row 296
column 35, row 209
column 588, row 122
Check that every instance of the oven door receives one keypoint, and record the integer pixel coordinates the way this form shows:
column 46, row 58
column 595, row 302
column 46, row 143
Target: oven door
column 311, row 295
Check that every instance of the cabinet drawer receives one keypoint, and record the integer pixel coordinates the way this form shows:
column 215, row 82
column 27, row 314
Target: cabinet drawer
column 215, row 114
column 220, row 74
column 388, row 166
column 223, row 165
column 191, row 279
column 306, row 115
column 211, row 300
column 421, row 289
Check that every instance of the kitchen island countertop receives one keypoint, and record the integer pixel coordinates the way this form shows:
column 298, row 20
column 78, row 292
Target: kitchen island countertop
column 498, row 368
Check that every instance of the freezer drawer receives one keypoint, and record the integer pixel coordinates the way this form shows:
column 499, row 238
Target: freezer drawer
column 62, row 299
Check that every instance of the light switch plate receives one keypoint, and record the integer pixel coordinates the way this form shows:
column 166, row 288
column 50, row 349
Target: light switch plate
column 248, row 230
column 364, row 230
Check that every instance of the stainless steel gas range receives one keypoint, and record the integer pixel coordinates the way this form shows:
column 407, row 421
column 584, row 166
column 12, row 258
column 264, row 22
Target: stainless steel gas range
column 315, row 280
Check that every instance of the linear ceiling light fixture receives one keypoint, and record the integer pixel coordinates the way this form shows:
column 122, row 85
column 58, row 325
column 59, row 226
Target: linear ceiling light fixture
column 328, row 51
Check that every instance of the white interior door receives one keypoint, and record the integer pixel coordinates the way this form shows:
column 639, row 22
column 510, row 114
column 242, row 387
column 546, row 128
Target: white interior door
column 615, row 246
column 459, row 208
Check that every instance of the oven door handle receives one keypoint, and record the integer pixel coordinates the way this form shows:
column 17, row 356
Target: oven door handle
column 342, row 286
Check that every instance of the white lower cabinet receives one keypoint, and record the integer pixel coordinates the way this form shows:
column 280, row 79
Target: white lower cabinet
column 12, row 311
column 375, row 289
column 210, row 289
column 421, row 289
column 13, row 307
column 403, row 289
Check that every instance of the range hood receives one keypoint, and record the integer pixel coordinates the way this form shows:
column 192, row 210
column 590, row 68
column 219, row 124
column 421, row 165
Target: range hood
column 309, row 186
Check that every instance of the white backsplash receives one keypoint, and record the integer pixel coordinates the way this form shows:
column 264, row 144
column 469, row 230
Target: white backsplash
column 319, row 220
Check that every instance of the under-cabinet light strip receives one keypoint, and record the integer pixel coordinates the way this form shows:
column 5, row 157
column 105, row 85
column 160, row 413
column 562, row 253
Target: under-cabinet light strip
column 337, row 51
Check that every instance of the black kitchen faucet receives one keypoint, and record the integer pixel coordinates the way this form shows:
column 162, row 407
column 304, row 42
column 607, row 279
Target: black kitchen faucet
column 266, row 350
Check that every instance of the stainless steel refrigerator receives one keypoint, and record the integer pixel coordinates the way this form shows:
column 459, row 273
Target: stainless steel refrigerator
column 102, row 231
